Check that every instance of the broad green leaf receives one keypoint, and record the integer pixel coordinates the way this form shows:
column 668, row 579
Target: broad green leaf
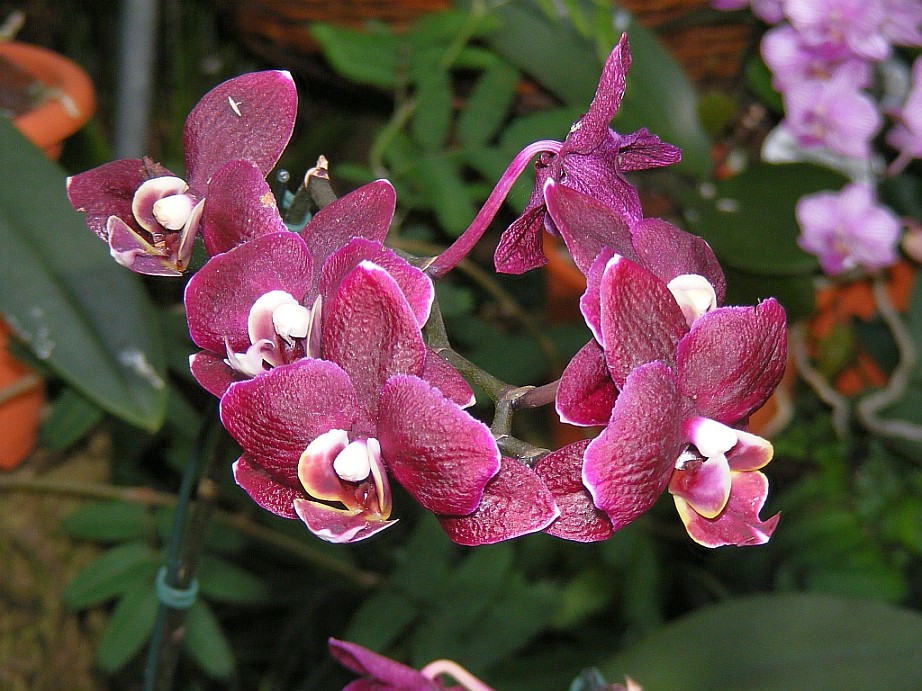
column 796, row 293
column 206, row 643
column 547, row 124
column 113, row 573
column 445, row 193
column 381, row 618
column 367, row 57
column 72, row 417
column 223, row 581
column 433, row 114
column 129, row 627
column 437, row 29
column 80, row 313
column 488, row 105
column 749, row 219
column 110, row 521
column 780, row 642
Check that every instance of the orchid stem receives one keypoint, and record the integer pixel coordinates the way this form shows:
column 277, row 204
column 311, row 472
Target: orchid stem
column 456, row 672
column 869, row 408
column 461, row 247
column 817, row 382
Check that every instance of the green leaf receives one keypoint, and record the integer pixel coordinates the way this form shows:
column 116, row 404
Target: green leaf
column 129, row 627
column 445, row 192
column 754, row 210
column 488, row 105
column 367, row 57
column 206, row 643
column 780, row 642
column 80, row 313
column 432, row 117
column 223, row 581
column 113, row 573
column 72, row 417
column 111, row 521
column 381, row 618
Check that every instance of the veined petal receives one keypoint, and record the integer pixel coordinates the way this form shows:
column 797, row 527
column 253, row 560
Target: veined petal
column 447, row 379
column 337, row 525
column 212, row 373
column 265, row 489
column 240, row 207
column 219, row 296
column 415, row 285
column 579, row 519
column 440, row 454
column 371, row 332
column 586, row 225
column 732, row 359
column 629, row 464
column 704, row 485
column 275, row 416
column 519, row 248
column 515, row 502
column 589, row 129
column 668, row 252
column 739, row 523
column 363, row 213
column 250, row 117
column 640, row 319
column 590, row 301
column 586, row 394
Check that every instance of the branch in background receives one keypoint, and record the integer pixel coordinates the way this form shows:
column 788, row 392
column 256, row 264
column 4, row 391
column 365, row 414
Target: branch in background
column 817, row 382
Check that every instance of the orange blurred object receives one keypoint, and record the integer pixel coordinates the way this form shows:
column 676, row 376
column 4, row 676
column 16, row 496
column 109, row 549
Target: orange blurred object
column 19, row 416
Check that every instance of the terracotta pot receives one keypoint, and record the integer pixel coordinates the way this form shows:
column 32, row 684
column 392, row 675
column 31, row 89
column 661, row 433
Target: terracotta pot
column 56, row 118
column 46, row 126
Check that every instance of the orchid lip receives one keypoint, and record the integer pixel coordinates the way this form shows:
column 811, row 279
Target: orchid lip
column 694, row 294
column 149, row 194
column 173, row 211
column 711, row 437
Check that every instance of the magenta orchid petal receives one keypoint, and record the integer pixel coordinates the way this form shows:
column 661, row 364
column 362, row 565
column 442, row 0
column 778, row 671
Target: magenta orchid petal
column 240, row 207
column 265, row 489
column 134, row 252
column 212, row 373
column 219, row 297
column 447, row 379
column 668, row 252
column 339, row 526
column 739, row 523
column 250, row 117
column 629, row 464
column 275, row 416
column 642, row 151
column 382, row 673
column 108, row 190
column 415, row 285
column 590, row 300
column 441, row 455
column 520, row 246
column 515, row 502
column 641, row 320
column 732, row 359
column 593, row 126
column 579, row 518
column 586, row 225
column 705, row 486
column 363, row 213
column 371, row 332
column 751, row 452
column 586, row 393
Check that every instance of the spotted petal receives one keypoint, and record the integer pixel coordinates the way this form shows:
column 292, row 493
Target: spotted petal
column 515, row 502
column 579, row 519
column 440, row 454
column 250, row 117
column 739, row 523
column 629, row 464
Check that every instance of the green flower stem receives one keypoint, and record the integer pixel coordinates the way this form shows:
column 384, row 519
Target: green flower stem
column 146, row 496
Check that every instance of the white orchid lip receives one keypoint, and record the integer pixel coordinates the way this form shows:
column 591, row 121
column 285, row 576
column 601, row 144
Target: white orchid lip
column 710, row 437
column 150, row 193
column 173, row 212
column 291, row 321
column 353, row 463
column 694, row 294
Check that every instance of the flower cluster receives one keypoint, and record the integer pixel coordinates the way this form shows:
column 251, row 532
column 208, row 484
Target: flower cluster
column 312, row 337
column 827, row 58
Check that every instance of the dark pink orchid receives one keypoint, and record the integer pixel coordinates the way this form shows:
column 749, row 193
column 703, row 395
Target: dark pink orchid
column 592, row 159
column 148, row 216
column 321, row 434
column 685, row 389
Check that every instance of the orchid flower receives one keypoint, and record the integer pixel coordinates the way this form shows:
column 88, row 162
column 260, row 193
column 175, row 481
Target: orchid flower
column 148, row 216
column 684, row 394
column 592, row 159
column 318, row 434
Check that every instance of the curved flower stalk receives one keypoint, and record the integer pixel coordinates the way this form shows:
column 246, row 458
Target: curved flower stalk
column 318, row 434
column 150, row 217
column 685, row 389
column 593, row 159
